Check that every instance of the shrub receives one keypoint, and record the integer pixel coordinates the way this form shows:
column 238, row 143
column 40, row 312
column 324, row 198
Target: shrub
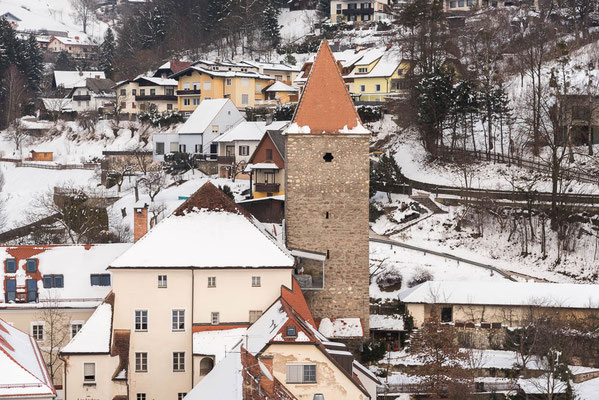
column 369, row 113
column 419, row 277
column 389, row 280
column 227, row 190
column 374, row 212
column 373, row 351
column 161, row 119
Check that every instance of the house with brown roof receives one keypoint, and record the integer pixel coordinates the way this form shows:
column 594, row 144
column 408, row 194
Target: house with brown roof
column 267, row 166
column 93, row 94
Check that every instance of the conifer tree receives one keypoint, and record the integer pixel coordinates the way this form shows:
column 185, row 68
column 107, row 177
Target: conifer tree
column 32, row 63
column 107, row 54
column 64, row 62
column 270, row 24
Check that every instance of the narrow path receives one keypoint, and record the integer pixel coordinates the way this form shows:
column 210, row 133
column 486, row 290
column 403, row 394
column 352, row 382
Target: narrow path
column 374, row 237
column 425, row 200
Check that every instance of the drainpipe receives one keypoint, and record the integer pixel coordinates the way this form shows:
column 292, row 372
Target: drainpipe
column 191, row 324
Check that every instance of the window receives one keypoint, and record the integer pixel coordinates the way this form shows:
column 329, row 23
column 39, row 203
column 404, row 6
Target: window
column 181, row 396
column 446, row 314
column 338, row 8
column 31, row 290
column 362, row 70
column 256, row 281
column 228, row 81
column 198, row 148
column 37, row 331
column 291, row 331
column 269, row 154
column 53, row 281
column 161, row 281
column 362, row 88
column 212, row 281
column 169, row 107
column 141, row 362
column 328, row 157
column 123, row 105
column 152, row 92
column 134, row 92
column 197, row 85
column 89, row 372
column 75, row 327
column 100, row 279
column 254, row 315
column 186, row 102
column 301, row 373
column 244, row 150
column 142, row 92
column 186, row 86
column 178, row 361
column 174, row 147
column 245, row 99
column 366, row 17
column 133, row 105
column 377, row 88
column 123, row 92
column 141, row 396
column 245, row 82
column 11, row 290
column 11, row 266
column 178, row 320
column 196, row 101
column 214, row 317
column 159, row 148
column 141, row 320
column 32, row 266
column 182, row 148
column 214, row 128
column 170, row 91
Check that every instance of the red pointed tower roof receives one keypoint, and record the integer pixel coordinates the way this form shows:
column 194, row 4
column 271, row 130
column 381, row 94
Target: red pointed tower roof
column 326, row 106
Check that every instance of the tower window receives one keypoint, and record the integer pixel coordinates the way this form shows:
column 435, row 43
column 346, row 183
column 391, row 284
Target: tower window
column 326, row 215
column 328, row 253
column 328, row 157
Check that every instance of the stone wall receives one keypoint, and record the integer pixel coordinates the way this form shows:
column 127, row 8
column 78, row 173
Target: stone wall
column 326, row 211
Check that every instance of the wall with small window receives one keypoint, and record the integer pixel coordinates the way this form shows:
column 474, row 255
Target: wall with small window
column 305, row 370
column 90, row 376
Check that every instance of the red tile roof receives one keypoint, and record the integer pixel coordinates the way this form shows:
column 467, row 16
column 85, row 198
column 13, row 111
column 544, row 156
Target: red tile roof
column 325, row 105
column 297, row 301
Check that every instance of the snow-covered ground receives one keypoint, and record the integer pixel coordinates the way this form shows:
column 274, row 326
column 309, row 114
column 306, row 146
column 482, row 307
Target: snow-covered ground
column 296, row 24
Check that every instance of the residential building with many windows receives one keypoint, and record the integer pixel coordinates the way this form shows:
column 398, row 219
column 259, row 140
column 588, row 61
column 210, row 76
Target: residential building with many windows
column 359, row 10
column 145, row 94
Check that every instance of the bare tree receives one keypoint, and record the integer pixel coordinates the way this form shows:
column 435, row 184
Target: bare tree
column 15, row 87
column 17, row 134
column 56, row 332
column 153, row 182
column 84, row 12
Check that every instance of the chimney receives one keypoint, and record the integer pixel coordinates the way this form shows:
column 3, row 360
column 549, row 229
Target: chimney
column 140, row 222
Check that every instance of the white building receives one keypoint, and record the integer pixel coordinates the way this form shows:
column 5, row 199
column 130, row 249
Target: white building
column 68, row 79
column 93, row 95
column 197, row 135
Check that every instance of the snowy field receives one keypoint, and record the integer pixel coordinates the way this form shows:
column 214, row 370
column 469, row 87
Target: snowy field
column 296, row 24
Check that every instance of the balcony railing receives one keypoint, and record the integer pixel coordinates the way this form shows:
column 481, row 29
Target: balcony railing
column 226, row 159
column 166, row 97
column 82, row 97
column 189, row 92
column 358, row 11
column 267, row 187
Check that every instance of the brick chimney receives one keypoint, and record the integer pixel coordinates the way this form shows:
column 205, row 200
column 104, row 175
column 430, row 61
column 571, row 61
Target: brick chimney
column 140, row 222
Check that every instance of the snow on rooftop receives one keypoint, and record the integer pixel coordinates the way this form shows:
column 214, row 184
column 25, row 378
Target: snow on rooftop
column 217, row 343
column 386, row 322
column 68, row 79
column 250, row 131
column 159, row 81
column 264, row 166
column 223, row 382
column 203, row 116
column 265, row 328
column 23, row 372
column 279, row 86
column 94, row 336
column 341, row 327
column 563, row 295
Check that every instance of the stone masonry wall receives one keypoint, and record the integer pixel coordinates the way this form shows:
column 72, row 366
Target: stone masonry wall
column 340, row 187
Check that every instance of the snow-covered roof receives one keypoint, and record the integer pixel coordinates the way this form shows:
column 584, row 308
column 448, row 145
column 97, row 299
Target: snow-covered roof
column 74, row 262
column 385, row 67
column 334, row 328
column 223, row 382
column 273, row 66
column 70, row 41
column 68, row 79
column 94, row 336
column 203, row 116
column 23, row 372
column 561, row 295
column 58, row 104
column 386, row 322
column 369, row 56
column 200, row 233
column 225, row 74
column 217, row 343
column 250, row 131
column 279, row 86
column 157, row 81
column 264, row 166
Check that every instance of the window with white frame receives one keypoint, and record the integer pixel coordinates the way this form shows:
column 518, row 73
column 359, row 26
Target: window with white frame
column 75, row 328
column 141, row 396
column 214, row 318
column 186, row 102
column 173, row 147
column 254, row 315
column 141, row 320
column 362, row 70
column 244, row 150
column 37, row 331
column 212, row 281
column 141, row 362
column 186, row 86
column 245, row 82
column 161, row 281
column 178, row 361
column 178, row 320
column 89, row 372
column 245, row 99
column 196, row 101
column 301, row 373
column 207, row 85
column 256, row 281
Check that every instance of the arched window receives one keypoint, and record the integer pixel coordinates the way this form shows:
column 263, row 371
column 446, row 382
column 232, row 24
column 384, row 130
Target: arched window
column 206, row 366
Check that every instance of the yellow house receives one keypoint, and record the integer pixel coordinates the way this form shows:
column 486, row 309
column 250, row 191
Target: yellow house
column 280, row 92
column 241, row 83
column 146, row 93
column 377, row 76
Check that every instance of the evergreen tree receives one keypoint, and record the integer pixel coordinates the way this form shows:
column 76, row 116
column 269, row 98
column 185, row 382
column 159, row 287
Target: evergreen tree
column 64, row 62
column 324, row 8
column 270, row 24
column 107, row 54
column 32, row 63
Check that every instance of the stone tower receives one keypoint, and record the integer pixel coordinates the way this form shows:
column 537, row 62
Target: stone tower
column 326, row 195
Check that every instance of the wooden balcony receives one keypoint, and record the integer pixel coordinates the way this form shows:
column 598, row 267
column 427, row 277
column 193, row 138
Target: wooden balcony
column 189, row 92
column 267, row 187
column 358, row 11
column 82, row 97
column 226, row 159
column 156, row 97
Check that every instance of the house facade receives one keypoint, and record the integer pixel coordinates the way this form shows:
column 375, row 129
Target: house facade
column 326, row 194
column 93, row 95
column 267, row 166
column 75, row 47
column 70, row 280
column 359, row 11
column 199, row 133
column 68, row 79
column 584, row 116
column 145, row 94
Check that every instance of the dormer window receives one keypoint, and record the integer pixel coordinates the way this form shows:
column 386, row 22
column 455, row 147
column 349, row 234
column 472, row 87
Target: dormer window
column 11, row 266
column 362, row 70
column 31, row 266
column 291, row 331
